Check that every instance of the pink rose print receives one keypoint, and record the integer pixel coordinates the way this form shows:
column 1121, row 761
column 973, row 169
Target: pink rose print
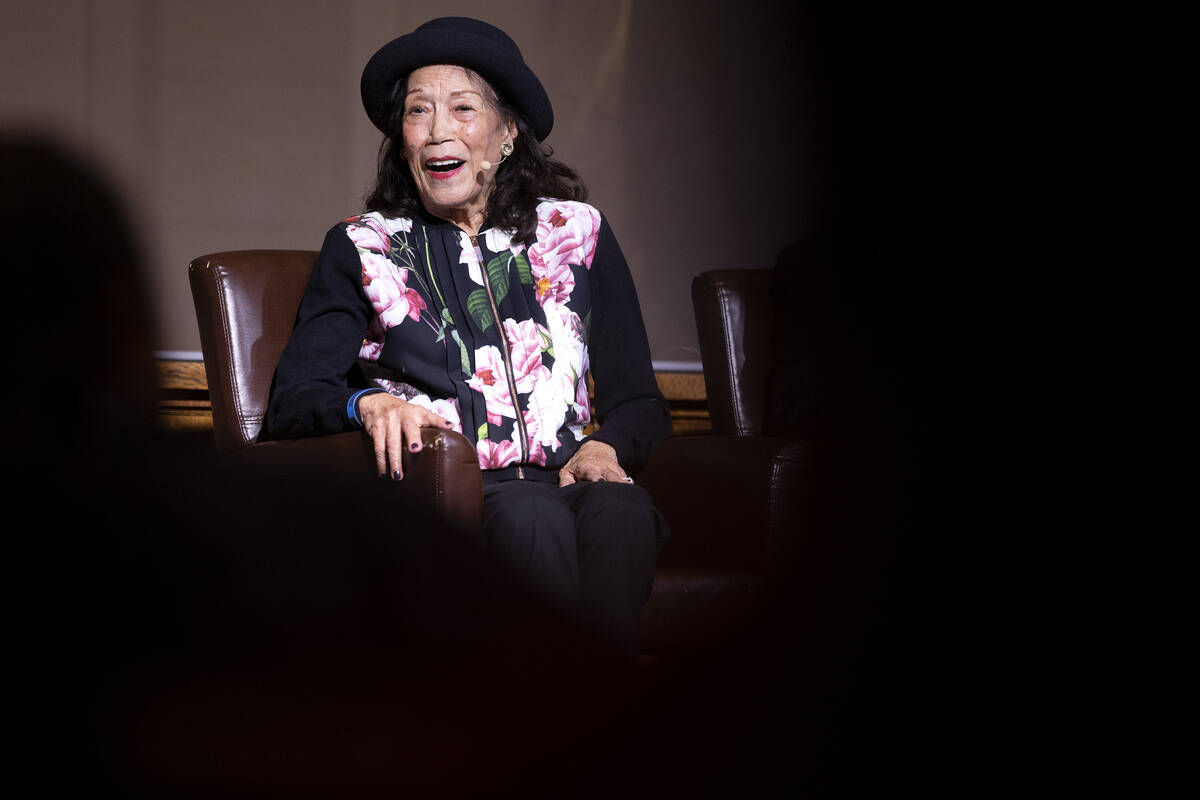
column 370, row 350
column 566, row 336
column 525, row 347
column 494, row 455
column 490, row 381
column 533, row 429
column 467, row 256
column 369, row 236
column 566, row 234
column 547, row 410
column 385, row 287
column 583, row 408
column 446, row 408
column 416, row 304
column 372, row 343
column 553, row 283
column 375, row 267
column 498, row 240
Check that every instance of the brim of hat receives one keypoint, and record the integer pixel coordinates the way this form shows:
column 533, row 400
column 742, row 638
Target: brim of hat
column 503, row 69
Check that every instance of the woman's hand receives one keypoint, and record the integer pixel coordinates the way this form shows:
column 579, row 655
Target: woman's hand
column 594, row 461
column 395, row 426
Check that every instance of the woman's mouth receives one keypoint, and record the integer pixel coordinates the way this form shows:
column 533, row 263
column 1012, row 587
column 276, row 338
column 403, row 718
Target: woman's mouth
column 443, row 168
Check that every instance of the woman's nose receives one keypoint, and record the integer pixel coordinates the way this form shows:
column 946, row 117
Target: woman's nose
column 439, row 127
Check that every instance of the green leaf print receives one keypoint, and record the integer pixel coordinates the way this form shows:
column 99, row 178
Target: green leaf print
column 445, row 322
column 462, row 349
column 497, row 271
column 481, row 434
column 480, row 309
column 523, row 270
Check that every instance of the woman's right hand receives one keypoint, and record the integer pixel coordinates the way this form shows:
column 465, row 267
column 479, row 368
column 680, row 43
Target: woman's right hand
column 395, row 426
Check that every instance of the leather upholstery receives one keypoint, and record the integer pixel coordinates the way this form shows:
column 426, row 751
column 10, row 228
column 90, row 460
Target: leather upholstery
column 724, row 496
column 733, row 320
column 736, row 501
column 444, row 478
column 695, row 604
column 246, row 303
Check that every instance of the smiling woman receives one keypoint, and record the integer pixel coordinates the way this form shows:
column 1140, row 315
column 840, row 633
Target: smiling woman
column 450, row 131
column 478, row 293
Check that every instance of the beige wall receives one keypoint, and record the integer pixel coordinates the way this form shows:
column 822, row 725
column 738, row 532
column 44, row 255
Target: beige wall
column 236, row 124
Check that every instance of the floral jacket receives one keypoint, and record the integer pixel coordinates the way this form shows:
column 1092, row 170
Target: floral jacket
column 496, row 337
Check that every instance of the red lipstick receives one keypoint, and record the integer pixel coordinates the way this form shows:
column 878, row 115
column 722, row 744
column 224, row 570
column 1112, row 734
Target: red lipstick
column 441, row 169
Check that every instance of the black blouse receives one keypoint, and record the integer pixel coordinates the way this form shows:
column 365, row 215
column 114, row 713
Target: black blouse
column 496, row 337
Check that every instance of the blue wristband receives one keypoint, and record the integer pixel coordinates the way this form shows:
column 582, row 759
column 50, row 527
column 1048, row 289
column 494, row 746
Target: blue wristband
column 352, row 406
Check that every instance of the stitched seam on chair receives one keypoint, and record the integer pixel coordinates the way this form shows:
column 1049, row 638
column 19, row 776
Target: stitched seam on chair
column 773, row 509
column 439, row 478
column 226, row 331
column 730, row 359
column 772, row 505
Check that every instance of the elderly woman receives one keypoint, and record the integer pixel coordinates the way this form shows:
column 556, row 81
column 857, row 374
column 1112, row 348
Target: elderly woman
column 476, row 294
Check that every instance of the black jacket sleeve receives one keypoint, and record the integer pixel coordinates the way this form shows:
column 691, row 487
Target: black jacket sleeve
column 632, row 412
column 314, row 382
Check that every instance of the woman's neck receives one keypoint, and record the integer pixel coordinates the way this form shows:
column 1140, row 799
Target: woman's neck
column 469, row 220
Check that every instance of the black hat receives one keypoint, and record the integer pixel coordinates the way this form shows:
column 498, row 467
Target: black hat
column 468, row 43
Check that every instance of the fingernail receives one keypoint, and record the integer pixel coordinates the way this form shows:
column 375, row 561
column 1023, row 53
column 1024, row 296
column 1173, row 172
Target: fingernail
column 396, row 475
column 414, row 447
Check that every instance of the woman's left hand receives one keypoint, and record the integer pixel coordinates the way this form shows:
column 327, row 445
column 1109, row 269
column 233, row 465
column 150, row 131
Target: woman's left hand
column 594, row 461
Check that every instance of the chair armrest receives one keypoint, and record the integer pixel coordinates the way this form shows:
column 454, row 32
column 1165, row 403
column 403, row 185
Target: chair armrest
column 443, row 478
column 731, row 501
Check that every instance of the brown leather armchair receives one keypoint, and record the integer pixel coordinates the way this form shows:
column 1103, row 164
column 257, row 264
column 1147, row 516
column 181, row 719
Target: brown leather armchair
column 735, row 499
column 727, row 497
column 246, row 303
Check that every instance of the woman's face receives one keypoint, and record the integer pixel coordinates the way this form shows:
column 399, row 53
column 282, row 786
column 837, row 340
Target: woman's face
column 450, row 128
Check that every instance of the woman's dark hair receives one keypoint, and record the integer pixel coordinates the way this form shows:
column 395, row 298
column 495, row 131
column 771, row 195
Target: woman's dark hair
column 522, row 179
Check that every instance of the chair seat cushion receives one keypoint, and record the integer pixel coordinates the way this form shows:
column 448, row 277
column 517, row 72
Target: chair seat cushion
column 692, row 606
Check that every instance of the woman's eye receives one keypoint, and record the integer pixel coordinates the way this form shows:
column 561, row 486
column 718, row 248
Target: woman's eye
column 415, row 110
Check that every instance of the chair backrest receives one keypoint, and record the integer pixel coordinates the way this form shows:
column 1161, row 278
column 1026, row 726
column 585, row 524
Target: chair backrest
column 733, row 319
column 246, row 304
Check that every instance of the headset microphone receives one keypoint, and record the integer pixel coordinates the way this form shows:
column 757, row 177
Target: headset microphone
column 505, row 150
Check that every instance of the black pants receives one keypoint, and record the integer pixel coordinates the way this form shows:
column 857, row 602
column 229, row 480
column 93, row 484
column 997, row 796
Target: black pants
column 588, row 549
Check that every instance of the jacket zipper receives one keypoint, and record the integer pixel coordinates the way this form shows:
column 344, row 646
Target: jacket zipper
column 508, row 369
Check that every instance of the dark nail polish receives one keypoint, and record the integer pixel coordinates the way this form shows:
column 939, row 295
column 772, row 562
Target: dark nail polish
column 396, row 475
column 414, row 447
